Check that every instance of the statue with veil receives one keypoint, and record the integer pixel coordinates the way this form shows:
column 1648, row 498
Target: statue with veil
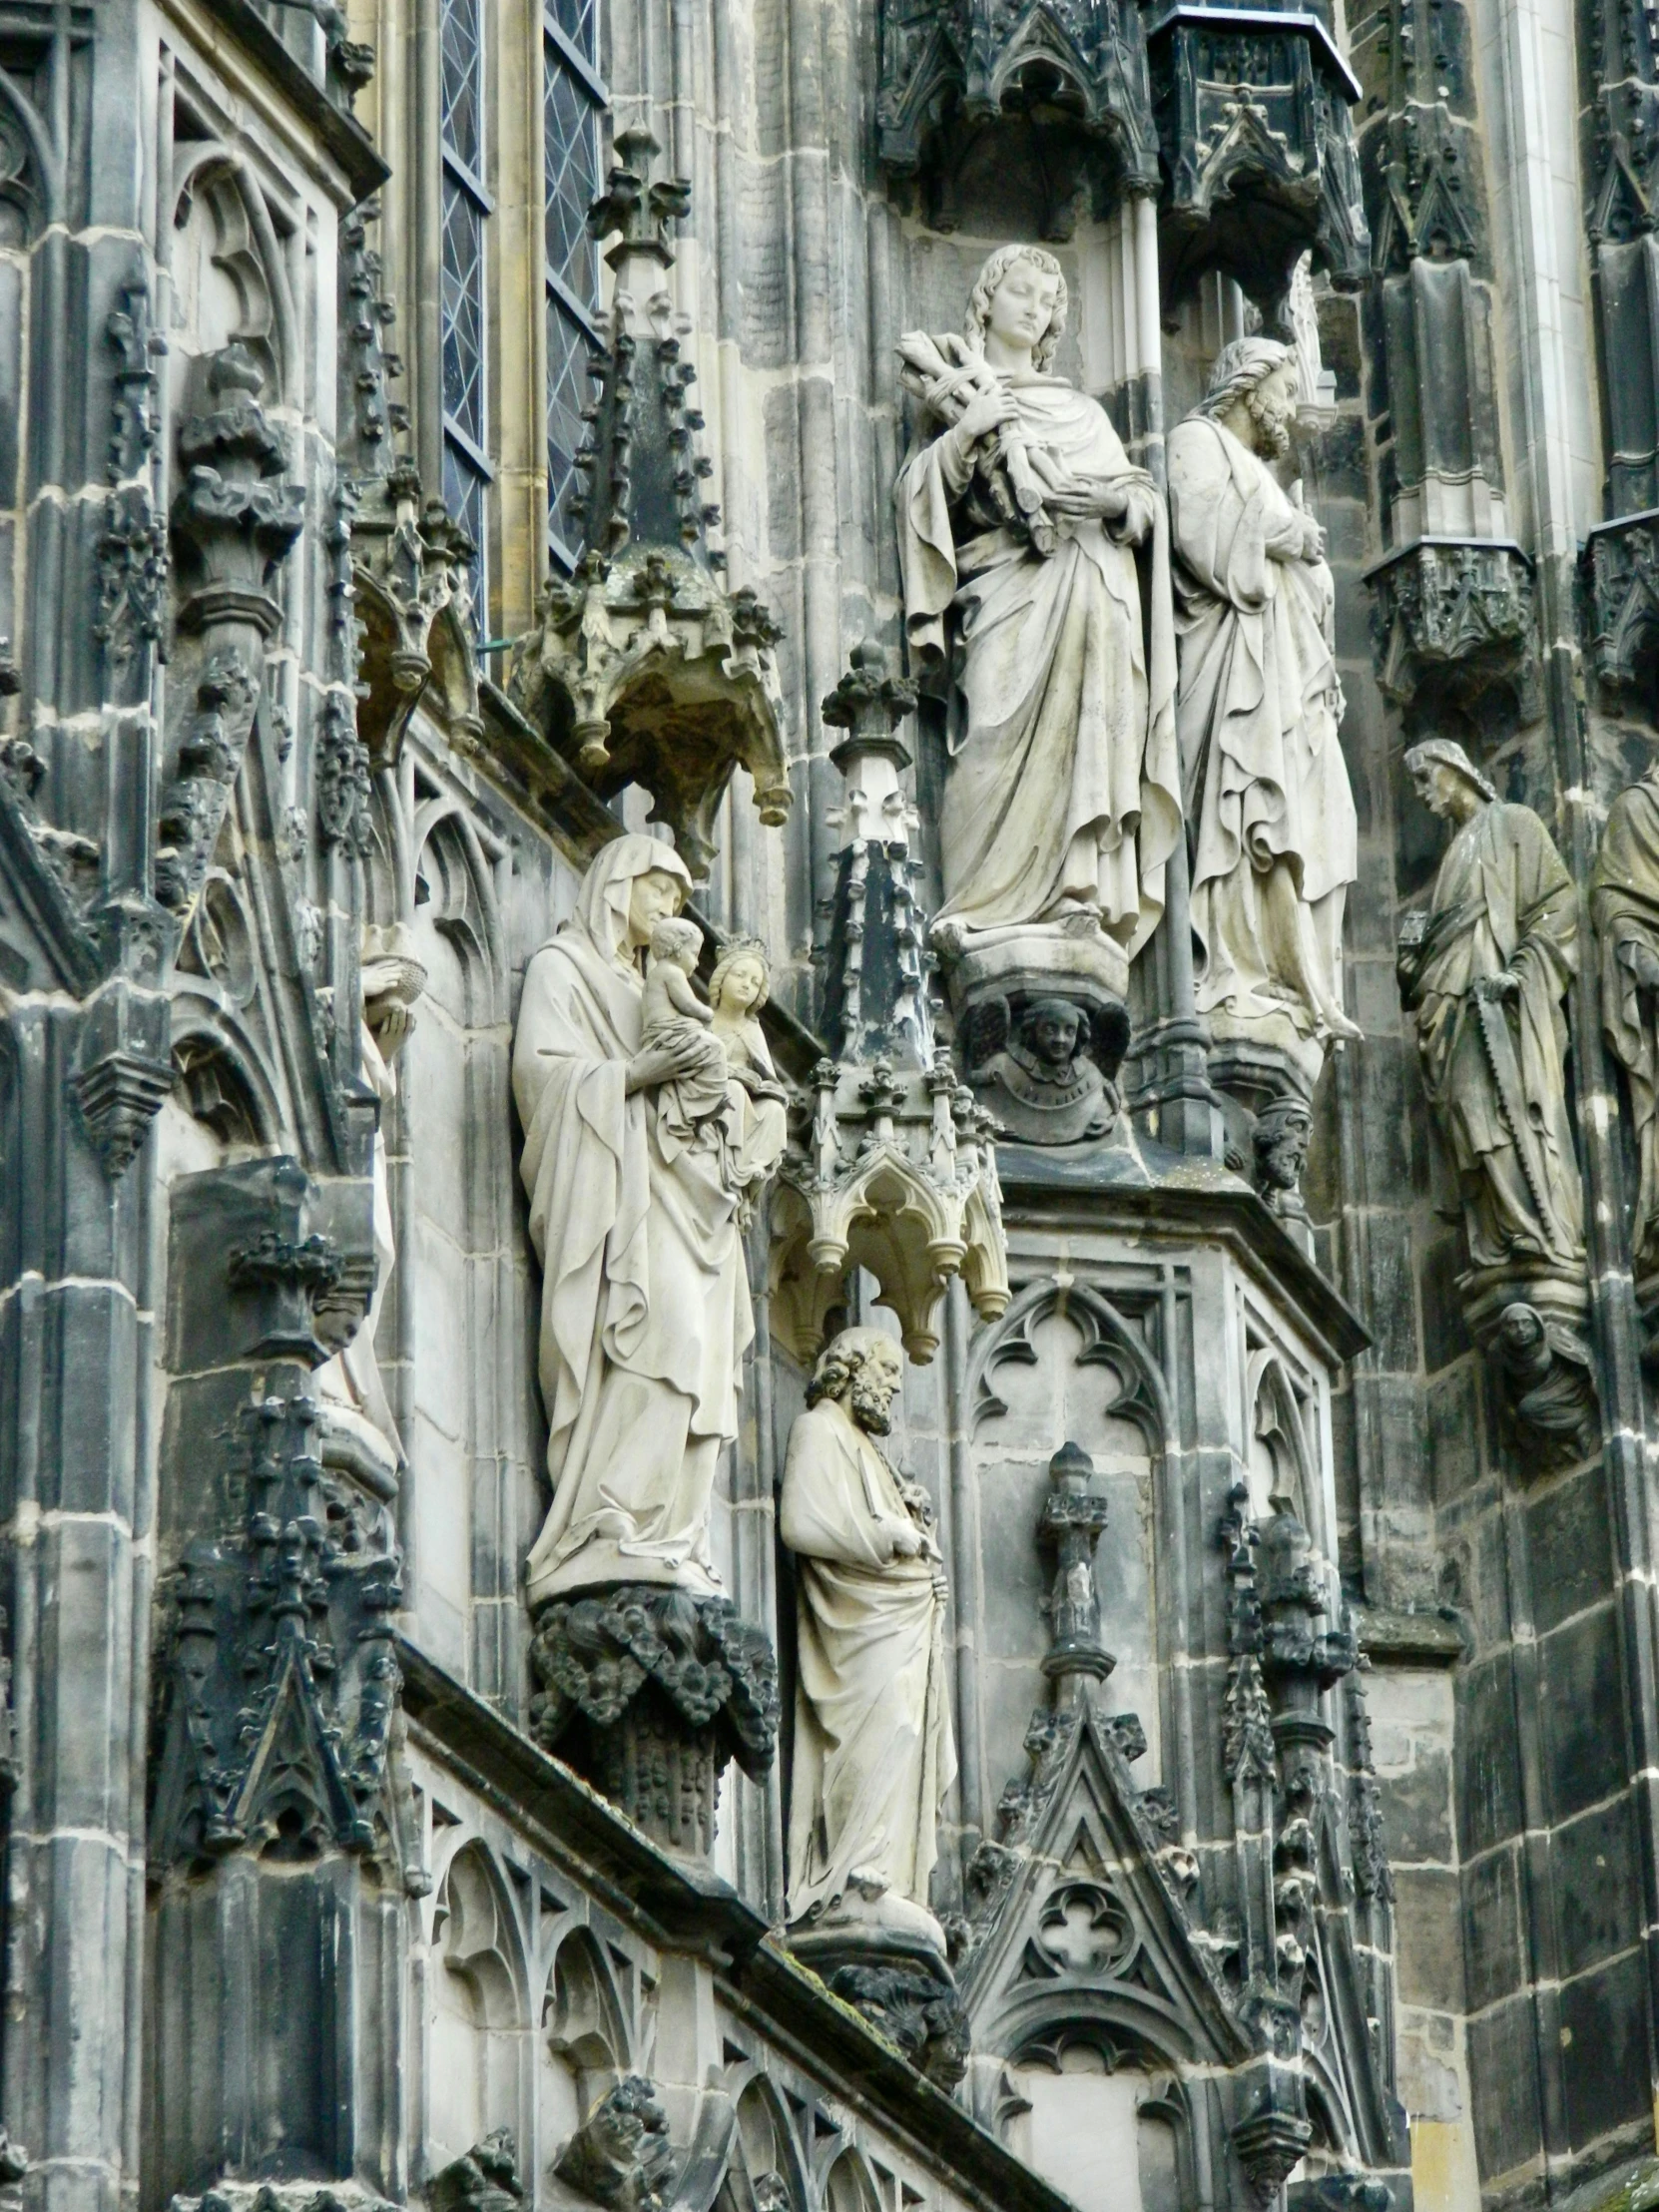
column 645, row 1314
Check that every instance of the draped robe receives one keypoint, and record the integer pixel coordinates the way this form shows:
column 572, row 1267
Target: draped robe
column 1061, row 785
column 1502, row 901
column 873, row 1754
column 1261, row 762
column 1624, row 897
column 645, row 1300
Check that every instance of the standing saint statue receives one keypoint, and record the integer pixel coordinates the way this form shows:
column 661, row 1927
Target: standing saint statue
column 873, row 1752
column 1018, row 515
column 1624, row 898
column 1486, row 969
column 645, row 1310
column 1266, row 785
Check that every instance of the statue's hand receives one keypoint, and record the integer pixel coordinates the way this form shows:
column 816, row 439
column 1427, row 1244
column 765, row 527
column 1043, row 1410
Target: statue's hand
column 991, row 410
column 904, row 1537
column 1642, row 963
column 662, row 1063
column 1505, row 984
column 1312, row 540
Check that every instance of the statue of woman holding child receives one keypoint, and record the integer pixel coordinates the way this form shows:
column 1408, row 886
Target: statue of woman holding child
column 644, row 1148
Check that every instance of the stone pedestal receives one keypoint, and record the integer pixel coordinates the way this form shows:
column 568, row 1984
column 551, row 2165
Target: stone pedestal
column 648, row 1692
column 886, row 1958
column 1046, row 1082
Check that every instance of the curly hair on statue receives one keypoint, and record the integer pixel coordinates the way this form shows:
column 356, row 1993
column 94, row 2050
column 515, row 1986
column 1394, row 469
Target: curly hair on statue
column 841, row 1359
column 979, row 317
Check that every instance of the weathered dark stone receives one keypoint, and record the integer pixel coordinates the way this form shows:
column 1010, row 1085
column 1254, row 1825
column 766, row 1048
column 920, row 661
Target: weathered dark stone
column 649, row 1692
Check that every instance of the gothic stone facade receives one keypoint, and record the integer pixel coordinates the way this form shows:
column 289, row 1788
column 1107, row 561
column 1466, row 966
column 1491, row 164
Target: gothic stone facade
column 1341, row 1890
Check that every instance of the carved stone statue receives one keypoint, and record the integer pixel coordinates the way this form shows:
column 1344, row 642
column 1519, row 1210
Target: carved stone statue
column 1018, row 515
column 738, row 989
column 873, row 1753
column 644, row 1302
column 1036, row 1074
column 1267, row 789
column 358, row 1428
column 1624, row 898
column 1485, row 969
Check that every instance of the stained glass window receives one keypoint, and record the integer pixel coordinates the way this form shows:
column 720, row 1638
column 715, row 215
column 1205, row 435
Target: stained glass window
column 466, row 207
column 573, row 97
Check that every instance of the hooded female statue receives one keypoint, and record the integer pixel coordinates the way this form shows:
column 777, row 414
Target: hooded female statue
column 645, row 1300
column 1018, row 515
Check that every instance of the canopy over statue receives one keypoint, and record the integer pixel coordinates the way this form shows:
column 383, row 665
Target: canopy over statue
column 645, row 1310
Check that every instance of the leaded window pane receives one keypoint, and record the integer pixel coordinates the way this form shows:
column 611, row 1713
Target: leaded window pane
column 572, row 157
column 568, row 391
column 579, row 21
column 464, row 491
column 461, row 43
column 463, row 310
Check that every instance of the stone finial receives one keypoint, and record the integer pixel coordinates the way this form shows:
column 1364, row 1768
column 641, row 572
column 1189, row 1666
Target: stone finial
column 645, row 669
column 636, row 206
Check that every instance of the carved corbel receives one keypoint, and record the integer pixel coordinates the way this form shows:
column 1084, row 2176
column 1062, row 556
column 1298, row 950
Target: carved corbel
column 123, row 1070
column 1456, row 616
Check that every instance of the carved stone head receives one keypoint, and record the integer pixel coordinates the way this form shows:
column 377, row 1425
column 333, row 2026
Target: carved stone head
column 1254, row 388
column 1051, row 1029
column 1448, row 781
column 989, row 283
column 741, row 978
column 861, row 1371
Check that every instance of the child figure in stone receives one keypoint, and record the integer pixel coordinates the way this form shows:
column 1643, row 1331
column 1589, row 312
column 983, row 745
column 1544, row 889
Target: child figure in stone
column 672, row 1012
column 738, row 989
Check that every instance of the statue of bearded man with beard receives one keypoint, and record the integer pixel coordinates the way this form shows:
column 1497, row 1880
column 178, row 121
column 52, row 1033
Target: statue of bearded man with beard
column 1264, row 782
column 873, row 1751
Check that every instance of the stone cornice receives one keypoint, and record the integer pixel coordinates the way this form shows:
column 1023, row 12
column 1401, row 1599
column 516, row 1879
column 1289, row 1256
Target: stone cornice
column 685, row 1907
column 1150, row 1193
column 340, row 133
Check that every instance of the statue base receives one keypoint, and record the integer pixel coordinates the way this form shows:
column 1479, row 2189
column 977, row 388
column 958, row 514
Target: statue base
column 1048, row 1081
column 886, row 1958
column 647, row 1692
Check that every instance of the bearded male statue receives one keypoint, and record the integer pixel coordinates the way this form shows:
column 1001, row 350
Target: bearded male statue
column 873, row 1751
column 1265, row 784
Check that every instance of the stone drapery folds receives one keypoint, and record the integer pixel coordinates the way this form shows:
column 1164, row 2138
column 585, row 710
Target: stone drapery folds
column 1265, row 787
column 1060, row 794
column 1486, row 968
column 645, row 1299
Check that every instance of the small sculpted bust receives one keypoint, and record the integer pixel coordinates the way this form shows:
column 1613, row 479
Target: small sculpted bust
column 1034, row 1072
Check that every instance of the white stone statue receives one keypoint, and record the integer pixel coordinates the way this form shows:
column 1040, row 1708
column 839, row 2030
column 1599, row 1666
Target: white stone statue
column 1262, row 766
column 645, row 1299
column 873, row 1751
column 1018, row 515
column 738, row 989
column 358, row 1428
